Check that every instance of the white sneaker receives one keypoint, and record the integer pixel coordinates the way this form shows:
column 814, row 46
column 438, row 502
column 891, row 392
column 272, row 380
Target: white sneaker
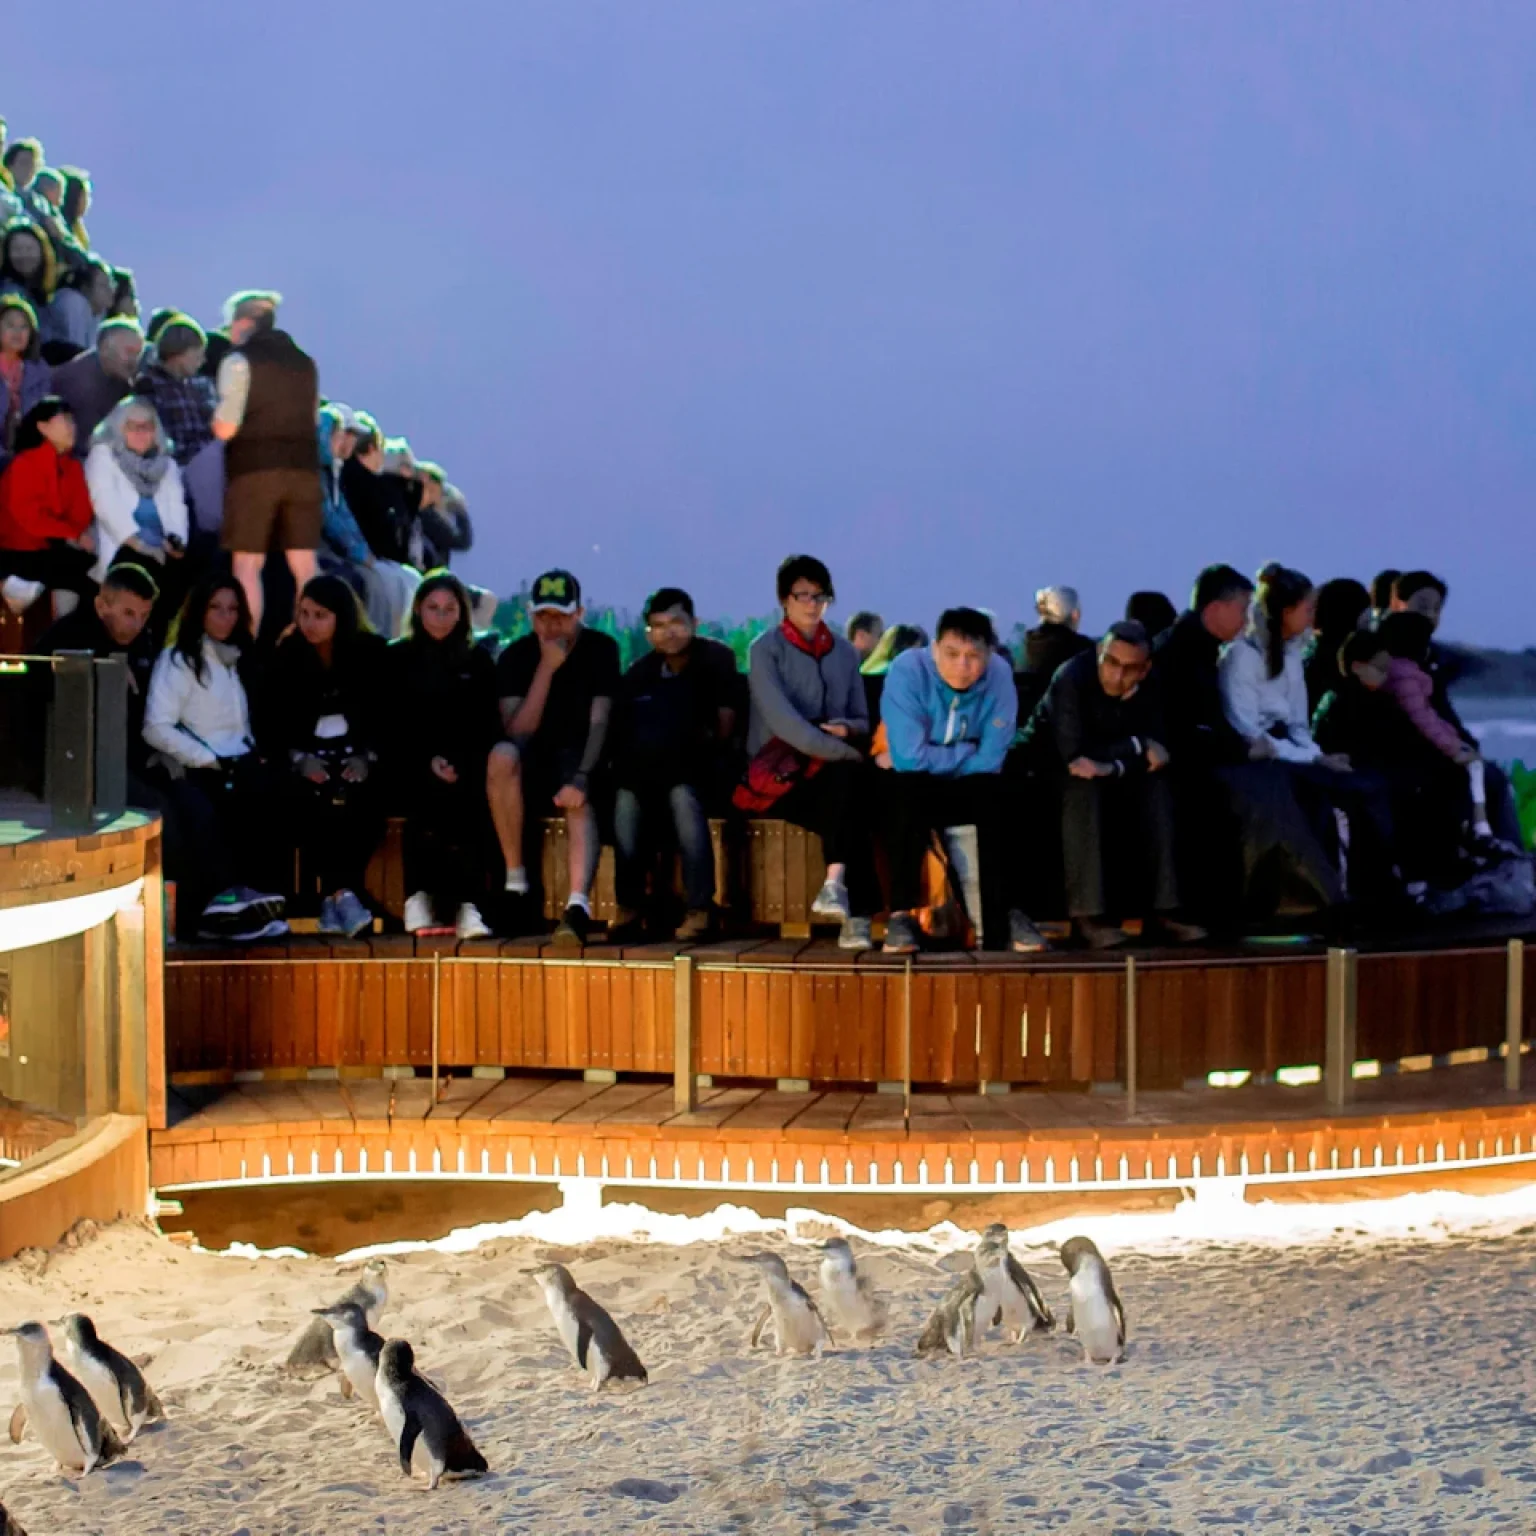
column 469, row 924
column 20, row 594
column 832, row 901
column 418, row 912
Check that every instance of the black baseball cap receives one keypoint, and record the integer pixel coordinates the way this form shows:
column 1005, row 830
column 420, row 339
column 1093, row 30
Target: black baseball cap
column 555, row 592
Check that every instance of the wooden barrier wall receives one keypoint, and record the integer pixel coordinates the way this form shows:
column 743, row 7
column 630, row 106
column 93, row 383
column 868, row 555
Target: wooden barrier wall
column 783, row 1010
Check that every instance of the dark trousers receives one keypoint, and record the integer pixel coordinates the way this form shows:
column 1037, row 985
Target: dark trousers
column 1117, row 844
column 1366, row 800
column 337, row 827
column 833, row 803
column 446, row 837
column 650, row 821
column 59, row 566
column 915, row 805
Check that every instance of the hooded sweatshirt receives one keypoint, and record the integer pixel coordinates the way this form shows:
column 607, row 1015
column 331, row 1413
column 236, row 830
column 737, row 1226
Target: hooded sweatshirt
column 1260, row 705
column 933, row 728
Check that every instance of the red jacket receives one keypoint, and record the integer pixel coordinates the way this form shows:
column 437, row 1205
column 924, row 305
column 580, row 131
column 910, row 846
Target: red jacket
column 43, row 496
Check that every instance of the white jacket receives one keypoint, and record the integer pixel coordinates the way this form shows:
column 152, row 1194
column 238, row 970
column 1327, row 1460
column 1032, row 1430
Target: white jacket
column 1254, row 701
column 113, row 499
column 194, row 721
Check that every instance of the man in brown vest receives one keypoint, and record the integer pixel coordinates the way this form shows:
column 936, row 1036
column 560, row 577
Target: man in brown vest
column 269, row 395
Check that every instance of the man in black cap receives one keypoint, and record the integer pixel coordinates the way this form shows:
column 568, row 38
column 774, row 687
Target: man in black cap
column 556, row 687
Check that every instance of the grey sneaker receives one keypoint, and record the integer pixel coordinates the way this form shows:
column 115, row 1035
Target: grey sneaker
column 856, row 934
column 1023, row 937
column 902, row 935
column 832, row 901
column 352, row 917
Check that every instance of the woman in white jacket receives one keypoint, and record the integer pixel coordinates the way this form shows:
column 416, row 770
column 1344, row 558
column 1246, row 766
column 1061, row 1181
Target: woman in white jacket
column 198, row 726
column 136, row 492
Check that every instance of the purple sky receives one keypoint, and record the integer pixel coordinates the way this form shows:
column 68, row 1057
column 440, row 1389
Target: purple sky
column 964, row 298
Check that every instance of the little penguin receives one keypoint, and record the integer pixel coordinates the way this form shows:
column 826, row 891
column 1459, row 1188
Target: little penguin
column 1094, row 1313
column 357, row 1349
column 60, row 1410
column 593, row 1338
column 797, row 1325
column 849, row 1296
column 953, row 1323
column 420, row 1422
column 317, row 1344
column 116, row 1384
column 9, row 1524
column 1012, row 1300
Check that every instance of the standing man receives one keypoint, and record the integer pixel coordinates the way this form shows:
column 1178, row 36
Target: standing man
column 556, row 687
column 269, row 393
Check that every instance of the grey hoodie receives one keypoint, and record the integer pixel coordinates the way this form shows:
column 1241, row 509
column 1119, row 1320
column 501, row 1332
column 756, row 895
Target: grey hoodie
column 794, row 694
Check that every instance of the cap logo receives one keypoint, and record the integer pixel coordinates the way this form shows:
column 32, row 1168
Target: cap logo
column 552, row 586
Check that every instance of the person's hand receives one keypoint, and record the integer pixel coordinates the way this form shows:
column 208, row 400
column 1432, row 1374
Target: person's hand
column 1466, row 754
column 313, row 768
column 175, row 548
column 1262, row 749
column 445, row 770
column 835, row 728
column 86, row 541
column 882, row 759
column 552, row 653
column 1086, row 768
column 1336, row 762
column 1157, row 756
column 570, row 797
column 355, row 769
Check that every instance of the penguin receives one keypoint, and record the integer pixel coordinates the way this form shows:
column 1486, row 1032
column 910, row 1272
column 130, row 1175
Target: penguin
column 849, row 1296
column 9, row 1524
column 357, row 1350
column 1012, row 1300
column 60, row 1410
column 317, row 1344
column 1094, row 1312
column 591, row 1335
column 797, row 1325
column 419, row 1420
column 953, row 1323
column 116, row 1384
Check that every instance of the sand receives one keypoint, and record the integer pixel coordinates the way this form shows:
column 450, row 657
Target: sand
column 1343, row 1384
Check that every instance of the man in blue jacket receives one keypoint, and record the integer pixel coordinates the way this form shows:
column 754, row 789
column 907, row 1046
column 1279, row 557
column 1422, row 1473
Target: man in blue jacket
column 949, row 713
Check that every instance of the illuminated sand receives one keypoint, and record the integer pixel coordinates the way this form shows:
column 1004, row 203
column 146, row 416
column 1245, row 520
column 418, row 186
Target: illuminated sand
column 1324, row 1382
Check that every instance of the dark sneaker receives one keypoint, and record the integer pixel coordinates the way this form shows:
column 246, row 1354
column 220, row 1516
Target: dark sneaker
column 856, row 935
column 1172, row 930
column 236, row 907
column 1098, row 935
column 1023, row 937
column 902, row 935
column 329, row 922
column 352, row 916
column 253, row 931
column 695, row 925
column 574, row 926
column 627, row 927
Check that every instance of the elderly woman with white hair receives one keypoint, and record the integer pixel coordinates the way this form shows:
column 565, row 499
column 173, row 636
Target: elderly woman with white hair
column 1050, row 645
column 136, row 490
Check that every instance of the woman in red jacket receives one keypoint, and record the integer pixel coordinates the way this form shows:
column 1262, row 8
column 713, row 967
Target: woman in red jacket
column 45, row 507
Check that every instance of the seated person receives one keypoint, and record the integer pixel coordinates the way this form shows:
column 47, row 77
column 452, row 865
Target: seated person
column 439, row 724
column 1053, row 642
column 1343, row 605
column 863, row 632
column 376, row 501
column 556, row 688
column 895, row 640
column 184, row 400
column 673, row 719
column 45, row 506
column 95, row 381
column 1154, row 611
column 319, row 718
column 24, row 376
column 136, row 493
column 808, row 720
column 1102, row 731
column 197, row 724
column 948, row 713
column 1381, row 595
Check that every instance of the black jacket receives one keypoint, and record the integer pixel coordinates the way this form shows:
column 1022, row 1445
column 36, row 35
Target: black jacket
column 1184, row 668
column 1076, row 718
column 296, row 691
column 383, row 507
column 1046, row 648
column 439, row 703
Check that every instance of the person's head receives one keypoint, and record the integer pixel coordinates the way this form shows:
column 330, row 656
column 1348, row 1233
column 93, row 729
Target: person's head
column 135, row 423
column 963, row 642
column 898, row 638
column 158, row 320
column 1381, row 589
column 215, row 607
column 670, row 624
column 328, row 613
column 181, row 345
column 1154, row 611
column 1287, row 601
column 1059, row 605
column 26, row 258
column 76, row 200
column 864, row 630
column 125, row 294
column 431, row 479
column 119, row 346
column 1420, row 592
column 1364, row 657
column 1220, row 600
column 49, row 421
column 1343, row 604
column 250, row 312
column 805, row 589
column 22, row 158
column 124, row 602
column 1406, row 635
column 48, row 185
column 440, row 611
column 95, row 282
column 369, row 451
column 345, row 430
column 18, row 327
column 1125, row 656
column 554, row 606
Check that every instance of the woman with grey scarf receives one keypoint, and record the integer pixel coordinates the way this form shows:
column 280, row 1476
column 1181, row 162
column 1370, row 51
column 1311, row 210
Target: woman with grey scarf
column 136, row 490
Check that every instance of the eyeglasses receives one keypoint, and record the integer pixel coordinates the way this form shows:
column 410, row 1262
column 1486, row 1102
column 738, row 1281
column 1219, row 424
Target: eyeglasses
column 811, row 599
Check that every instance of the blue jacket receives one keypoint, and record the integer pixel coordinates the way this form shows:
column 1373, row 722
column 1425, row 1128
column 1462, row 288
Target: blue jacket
column 932, row 729
column 338, row 527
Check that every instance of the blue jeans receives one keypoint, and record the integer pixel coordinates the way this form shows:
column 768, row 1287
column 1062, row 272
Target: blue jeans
column 636, row 815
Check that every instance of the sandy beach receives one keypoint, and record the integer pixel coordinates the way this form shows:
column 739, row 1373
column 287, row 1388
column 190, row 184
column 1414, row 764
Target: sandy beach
column 1346, row 1384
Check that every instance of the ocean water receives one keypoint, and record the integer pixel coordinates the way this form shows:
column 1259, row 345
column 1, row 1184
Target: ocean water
column 1505, row 727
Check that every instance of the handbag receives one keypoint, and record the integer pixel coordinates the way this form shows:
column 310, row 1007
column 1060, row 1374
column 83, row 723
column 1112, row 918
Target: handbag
column 772, row 773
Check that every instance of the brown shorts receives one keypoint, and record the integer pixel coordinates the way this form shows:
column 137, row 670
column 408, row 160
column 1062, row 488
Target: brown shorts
column 272, row 509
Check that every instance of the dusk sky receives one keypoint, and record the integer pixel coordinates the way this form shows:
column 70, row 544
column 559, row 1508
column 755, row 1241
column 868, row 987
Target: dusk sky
column 965, row 298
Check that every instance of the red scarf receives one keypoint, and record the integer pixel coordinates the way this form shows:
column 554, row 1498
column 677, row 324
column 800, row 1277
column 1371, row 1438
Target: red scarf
column 818, row 645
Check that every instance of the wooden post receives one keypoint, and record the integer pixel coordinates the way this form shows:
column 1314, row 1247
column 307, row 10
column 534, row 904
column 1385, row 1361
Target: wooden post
column 683, row 1081
column 1514, row 1013
column 154, row 982
column 129, row 1015
column 1130, row 1037
column 906, row 1050
column 1339, row 1027
column 437, row 1018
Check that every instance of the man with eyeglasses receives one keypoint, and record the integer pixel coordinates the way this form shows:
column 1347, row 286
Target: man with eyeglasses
column 810, row 719
column 674, row 716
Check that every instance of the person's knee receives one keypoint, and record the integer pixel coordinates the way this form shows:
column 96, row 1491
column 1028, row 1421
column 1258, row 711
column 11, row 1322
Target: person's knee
column 247, row 563
column 504, row 767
